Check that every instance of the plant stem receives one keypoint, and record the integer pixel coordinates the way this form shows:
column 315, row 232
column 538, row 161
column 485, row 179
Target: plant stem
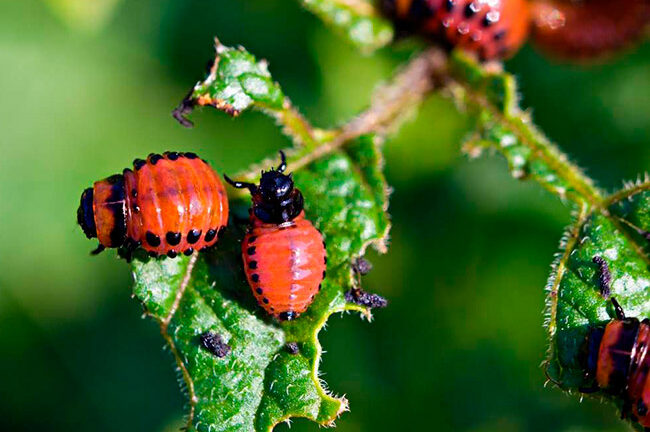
column 387, row 111
column 404, row 93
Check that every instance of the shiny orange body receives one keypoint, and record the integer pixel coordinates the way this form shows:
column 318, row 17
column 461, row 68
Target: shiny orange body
column 589, row 28
column 169, row 204
column 493, row 29
column 284, row 264
column 623, row 366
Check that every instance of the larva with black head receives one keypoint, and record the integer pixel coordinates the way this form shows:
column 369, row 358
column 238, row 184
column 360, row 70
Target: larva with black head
column 167, row 204
column 284, row 254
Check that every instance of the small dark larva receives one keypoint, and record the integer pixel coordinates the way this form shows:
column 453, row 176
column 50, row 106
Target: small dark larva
column 168, row 204
column 214, row 343
column 588, row 29
column 284, row 255
column 493, row 29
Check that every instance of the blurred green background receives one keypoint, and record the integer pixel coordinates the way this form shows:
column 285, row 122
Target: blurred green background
column 87, row 86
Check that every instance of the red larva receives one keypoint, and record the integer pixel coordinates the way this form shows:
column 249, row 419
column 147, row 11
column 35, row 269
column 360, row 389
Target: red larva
column 588, row 29
column 616, row 360
column 615, row 357
column 493, row 29
column 284, row 255
column 168, row 204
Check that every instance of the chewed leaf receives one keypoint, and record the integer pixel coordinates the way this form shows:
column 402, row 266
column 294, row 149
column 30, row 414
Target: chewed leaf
column 358, row 20
column 490, row 97
column 236, row 82
column 619, row 235
column 268, row 371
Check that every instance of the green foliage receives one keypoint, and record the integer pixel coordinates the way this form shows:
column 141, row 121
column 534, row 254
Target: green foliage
column 237, row 81
column 260, row 383
column 617, row 233
column 358, row 20
column 615, row 228
column 490, row 98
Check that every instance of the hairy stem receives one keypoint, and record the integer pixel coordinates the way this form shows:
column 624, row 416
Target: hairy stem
column 387, row 110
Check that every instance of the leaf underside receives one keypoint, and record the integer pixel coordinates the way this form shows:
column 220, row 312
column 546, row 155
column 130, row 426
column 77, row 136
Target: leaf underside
column 260, row 383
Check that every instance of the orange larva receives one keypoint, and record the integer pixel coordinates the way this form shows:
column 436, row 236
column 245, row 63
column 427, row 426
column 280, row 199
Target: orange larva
column 284, row 255
column 587, row 29
column 168, row 204
column 492, row 29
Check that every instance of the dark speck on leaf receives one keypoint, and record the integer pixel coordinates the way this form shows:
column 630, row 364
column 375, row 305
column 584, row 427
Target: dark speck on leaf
column 360, row 297
column 214, row 343
column 292, row 348
column 362, row 266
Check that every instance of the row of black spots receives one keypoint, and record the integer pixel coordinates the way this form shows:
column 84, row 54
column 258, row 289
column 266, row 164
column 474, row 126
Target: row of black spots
column 153, row 158
column 174, row 238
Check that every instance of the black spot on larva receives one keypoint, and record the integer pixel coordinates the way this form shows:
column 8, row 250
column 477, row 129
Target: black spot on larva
column 154, row 158
column 324, row 274
column 204, row 248
column 292, row 348
column 134, row 193
column 252, row 239
column 320, row 286
column 501, row 34
column 250, row 250
column 489, row 20
column 171, row 155
column 214, row 343
column 641, row 408
column 210, row 235
column 252, row 265
column 287, row 316
column 360, row 297
column 449, row 5
column 255, row 277
column 190, row 155
column 136, row 209
column 138, row 163
column 172, row 253
column 265, row 300
column 470, row 10
column 188, row 251
column 325, row 260
column 173, row 238
column 193, row 236
column 259, row 290
column 152, row 239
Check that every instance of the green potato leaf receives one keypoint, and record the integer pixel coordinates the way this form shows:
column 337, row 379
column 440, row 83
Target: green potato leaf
column 236, row 82
column 259, row 382
column 618, row 233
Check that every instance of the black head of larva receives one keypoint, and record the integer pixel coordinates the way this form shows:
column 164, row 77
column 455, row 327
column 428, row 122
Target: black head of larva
column 275, row 199
column 86, row 214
